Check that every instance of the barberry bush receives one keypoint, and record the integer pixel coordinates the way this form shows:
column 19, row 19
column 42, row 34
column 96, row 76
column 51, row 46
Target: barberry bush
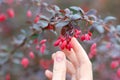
column 31, row 30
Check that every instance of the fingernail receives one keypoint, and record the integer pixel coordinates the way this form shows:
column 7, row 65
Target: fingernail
column 59, row 57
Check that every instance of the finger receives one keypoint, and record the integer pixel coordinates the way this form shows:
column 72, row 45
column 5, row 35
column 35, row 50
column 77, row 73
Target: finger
column 70, row 67
column 72, row 57
column 84, row 72
column 59, row 68
column 73, row 77
column 49, row 74
column 79, row 51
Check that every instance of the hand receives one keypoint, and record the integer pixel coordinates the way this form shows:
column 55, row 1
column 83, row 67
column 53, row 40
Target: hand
column 78, row 64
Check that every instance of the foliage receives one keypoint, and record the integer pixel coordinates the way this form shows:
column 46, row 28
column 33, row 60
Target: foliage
column 30, row 35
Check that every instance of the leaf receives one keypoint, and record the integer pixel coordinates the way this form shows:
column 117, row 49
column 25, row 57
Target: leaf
column 91, row 12
column 67, row 11
column 102, row 48
column 112, row 28
column 51, row 11
column 75, row 16
column 62, row 24
column 43, row 23
column 92, row 17
column 109, row 18
column 45, row 4
column 44, row 17
column 56, row 8
column 3, row 57
column 78, row 9
column 118, row 28
column 100, row 28
column 19, row 40
column 16, row 61
column 34, row 36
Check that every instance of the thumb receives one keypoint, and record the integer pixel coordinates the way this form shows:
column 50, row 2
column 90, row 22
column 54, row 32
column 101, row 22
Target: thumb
column 59, row 69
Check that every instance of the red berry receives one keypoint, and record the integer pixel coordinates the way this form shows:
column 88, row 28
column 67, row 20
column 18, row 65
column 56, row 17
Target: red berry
column 7, row 77
column 90, row 56
column 11, row 13
column 93, row 46
column 35, row 41
column 31, row 55
column 25, row 62
column 63, row 45
column 29, row 14
column 69, row 46
column 114, row 64
column 37, row 47
column 3, row 17
column 118, row 72
column 43, row 41
column 77, row 32
column 89, row 33
column 82, row 38
column 42, row 48
column 108, row 45
column 36, row 19
column 45, row 63
column 56, row 43
column 93, row 52
column 9, row 1
column 87, row 37
column 62, row 38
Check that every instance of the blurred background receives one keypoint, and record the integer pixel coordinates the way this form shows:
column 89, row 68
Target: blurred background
column 12, row 27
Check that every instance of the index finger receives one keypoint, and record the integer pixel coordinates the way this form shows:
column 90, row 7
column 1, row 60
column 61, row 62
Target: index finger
column 79, row 51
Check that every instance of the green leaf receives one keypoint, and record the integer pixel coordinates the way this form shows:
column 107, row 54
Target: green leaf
column 34, row 36
column 76, row 9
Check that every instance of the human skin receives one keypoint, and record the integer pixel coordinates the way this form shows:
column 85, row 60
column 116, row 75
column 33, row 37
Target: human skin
column 74, row 62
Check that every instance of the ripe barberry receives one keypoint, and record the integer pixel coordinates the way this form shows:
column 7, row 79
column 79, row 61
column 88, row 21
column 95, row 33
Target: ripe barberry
column 82, row 38
column 29, row 14
column 7, row 77
column 3, row 17
column 37, row 18
column 25, row 62
column 118, row 72
column 11, row 13
column 114, row 64
column 43, row 41
column 31, row 55
column 42, row 48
